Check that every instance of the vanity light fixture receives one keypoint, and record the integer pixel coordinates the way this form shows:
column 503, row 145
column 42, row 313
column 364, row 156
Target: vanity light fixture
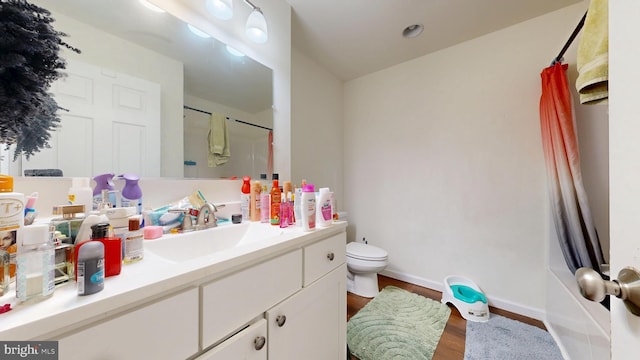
column 234, row 52
column 256, row 27
column 222, row 9
column 150, row 6
column 198, row 32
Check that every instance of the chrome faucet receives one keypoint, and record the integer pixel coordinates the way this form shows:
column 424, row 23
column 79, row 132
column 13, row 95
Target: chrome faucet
column 206, row 216
column 187, row 222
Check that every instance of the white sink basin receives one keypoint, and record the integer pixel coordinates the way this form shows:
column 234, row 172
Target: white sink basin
column 196, row 244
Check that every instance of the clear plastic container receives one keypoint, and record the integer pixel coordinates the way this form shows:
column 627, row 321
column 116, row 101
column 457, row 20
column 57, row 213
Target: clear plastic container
column 35, row 262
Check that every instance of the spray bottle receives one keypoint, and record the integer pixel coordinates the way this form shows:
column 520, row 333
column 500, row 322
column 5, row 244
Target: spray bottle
column 131, row 193
column 245, row 197
column 103, row 182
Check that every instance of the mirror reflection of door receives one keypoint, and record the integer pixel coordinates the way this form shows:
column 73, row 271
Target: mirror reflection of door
column 112, row 124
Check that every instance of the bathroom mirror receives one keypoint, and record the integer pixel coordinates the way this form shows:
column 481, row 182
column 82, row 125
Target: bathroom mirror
column 124, row 37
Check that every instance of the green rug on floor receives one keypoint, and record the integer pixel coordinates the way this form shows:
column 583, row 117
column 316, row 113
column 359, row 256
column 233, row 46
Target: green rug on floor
column 397, row 324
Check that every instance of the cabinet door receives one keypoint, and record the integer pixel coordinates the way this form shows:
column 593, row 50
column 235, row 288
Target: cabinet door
column 248, row 344
column 311, row 324
column 230, row 303
column 167, row 329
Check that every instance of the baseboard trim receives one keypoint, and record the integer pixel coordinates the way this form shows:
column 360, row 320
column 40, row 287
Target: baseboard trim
column 503, row 304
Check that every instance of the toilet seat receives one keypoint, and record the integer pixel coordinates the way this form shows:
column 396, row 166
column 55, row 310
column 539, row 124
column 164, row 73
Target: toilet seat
column 365, row 252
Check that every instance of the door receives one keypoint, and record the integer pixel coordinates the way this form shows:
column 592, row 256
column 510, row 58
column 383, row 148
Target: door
column 112, row 124
column 624, row 164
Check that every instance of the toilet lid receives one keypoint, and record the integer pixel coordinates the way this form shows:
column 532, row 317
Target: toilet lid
column 365, row 252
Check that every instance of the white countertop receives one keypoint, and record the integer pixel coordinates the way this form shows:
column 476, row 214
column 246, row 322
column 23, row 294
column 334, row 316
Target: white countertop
column 151, row 278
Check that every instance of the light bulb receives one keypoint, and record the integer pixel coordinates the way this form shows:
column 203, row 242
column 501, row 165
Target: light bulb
column 222, row 9
column 256, row 28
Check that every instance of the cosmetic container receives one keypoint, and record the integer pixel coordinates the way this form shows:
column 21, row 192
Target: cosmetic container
column 324, row 212
column 133, row 242
column 265, row 205
column 11, row 220
column 275, row 201
column 308, row 208
column 245, row 198
column 4, row 272
column 35, row 263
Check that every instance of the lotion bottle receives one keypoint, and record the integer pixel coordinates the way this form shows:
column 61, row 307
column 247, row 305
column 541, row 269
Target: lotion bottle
column 265, row 205
column 133, row 242
column 308, row 208
column 254, row 201
column 324, row 212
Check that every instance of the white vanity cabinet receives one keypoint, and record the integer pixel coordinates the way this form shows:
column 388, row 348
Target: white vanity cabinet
column 248, row 344
column 166, row 329
column 312, row 323
column 309, row 322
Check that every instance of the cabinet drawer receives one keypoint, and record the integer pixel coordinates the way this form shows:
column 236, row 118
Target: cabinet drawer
column 233, row 301
column 324, row 256
column 248, row 344
column 167, row 329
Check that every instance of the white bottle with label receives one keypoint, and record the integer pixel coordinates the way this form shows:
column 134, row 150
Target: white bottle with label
column 308, row 208
column 11, row 220
column 35, row 263
column 80, row 193
column 324, row 211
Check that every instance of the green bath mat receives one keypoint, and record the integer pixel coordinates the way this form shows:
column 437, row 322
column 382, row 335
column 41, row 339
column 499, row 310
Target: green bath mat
column 397, row 324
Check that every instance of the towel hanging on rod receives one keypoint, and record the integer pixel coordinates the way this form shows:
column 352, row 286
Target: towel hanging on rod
column 228, row 118
column 575, row 32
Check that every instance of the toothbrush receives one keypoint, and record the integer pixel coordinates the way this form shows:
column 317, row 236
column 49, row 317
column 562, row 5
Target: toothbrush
column 29, row 206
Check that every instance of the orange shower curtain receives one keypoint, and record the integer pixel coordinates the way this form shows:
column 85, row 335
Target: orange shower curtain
column 569, row 205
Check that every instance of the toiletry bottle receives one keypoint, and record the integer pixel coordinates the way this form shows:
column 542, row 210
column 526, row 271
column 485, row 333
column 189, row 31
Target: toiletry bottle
column 112, row 248
column 90, row 268
column 131, row 193
column 64, row 257
column 80, row 193
column 133, row 242
column 4, row 272
column 35, row 263
column 245, row 198
column 254, row 201
column 265, row 205
column 263, row 180
column 308, row 208
column 285, row 218
column 286, row 188
column 324, row 213
column 275, row 201
column 103, row 182
column 297, row 200
column 11, row 220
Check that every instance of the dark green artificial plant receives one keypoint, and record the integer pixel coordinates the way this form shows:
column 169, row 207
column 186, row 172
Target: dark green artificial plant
column 29, row 63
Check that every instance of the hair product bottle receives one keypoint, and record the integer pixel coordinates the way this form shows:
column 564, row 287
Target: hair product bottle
column 245, row 198
column 308, row 208
column 265, row 205
column 275, row 201
column 254, row 201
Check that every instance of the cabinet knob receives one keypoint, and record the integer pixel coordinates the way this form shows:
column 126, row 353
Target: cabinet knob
column 259, row 342
column 280, row 320
column 330, row 256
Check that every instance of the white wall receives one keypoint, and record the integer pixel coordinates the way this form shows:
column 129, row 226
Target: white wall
column 444, row 165
column 317, row 126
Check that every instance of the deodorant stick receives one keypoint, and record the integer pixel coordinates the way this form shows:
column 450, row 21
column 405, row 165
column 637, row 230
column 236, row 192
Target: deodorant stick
column 90, row 268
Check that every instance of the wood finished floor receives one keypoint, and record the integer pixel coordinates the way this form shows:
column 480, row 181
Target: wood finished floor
column 451, row 345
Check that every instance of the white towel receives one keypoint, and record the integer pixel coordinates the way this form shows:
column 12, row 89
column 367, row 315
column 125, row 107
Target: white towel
column 219, row 152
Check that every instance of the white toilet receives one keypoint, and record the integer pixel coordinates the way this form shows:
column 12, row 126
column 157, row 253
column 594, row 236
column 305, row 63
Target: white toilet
column 363, row 263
